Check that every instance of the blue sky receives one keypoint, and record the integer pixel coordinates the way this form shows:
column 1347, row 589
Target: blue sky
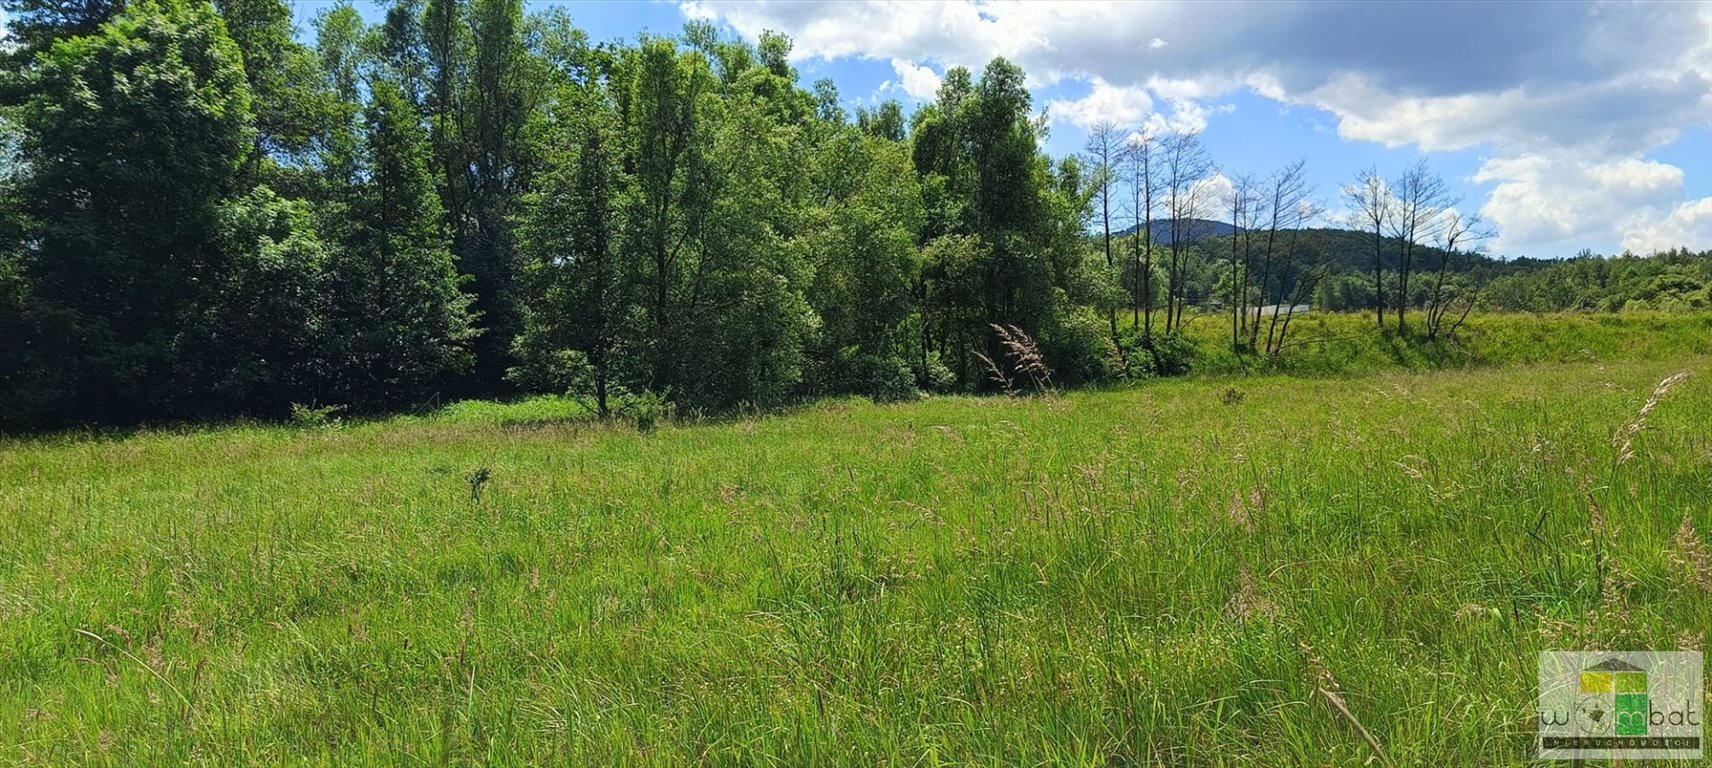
column 1566, row 125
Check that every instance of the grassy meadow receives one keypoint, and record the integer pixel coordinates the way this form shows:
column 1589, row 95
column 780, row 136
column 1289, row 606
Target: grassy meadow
column 1208, row 571
column 1346, row 343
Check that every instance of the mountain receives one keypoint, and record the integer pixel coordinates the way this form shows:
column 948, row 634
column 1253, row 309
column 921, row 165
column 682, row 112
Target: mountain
column 1344, row 250
column 1192, row 230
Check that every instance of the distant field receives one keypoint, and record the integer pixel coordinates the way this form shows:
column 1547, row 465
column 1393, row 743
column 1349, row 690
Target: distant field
column 1169, row 574
column 1344, row 343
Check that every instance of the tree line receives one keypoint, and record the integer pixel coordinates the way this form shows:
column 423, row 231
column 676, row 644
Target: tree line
column 202, row 216
column 205, row 217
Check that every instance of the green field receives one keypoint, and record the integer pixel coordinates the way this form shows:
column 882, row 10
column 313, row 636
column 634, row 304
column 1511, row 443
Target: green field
column 1182, row 572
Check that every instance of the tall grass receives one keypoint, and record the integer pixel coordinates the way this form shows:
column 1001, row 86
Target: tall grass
column 1351, row 344
column 1309, row 571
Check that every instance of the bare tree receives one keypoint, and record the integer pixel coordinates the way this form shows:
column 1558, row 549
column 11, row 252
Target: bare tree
column 1369, row 200
column 1141, row 159
column 1299, row 212
column 1456, row 235
column 1188, row 202
column 1105, row 148
column 1245, row 208
column 1419, row 199
column 1286, row 210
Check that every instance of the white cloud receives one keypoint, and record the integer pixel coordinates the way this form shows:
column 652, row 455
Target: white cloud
column 1689, row 225
column 1214, row 190
column 920, row 82
column 1567, row 100
column 1543, row 200
column 1186, row 117
column 1629, row 116
column 1120, row 106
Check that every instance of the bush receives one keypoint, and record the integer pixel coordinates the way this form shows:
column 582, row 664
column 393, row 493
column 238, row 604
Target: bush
column 1135, row 360
column 315, row 415
column 1080, row 348
column 542, row 409
column 1173, row 354
column 1166, row 354
column 646, row 410
column 938, row 377
column 542, row 368
column 886, row 379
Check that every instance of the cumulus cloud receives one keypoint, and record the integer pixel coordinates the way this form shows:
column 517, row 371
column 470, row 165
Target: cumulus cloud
column 1187, row 116
column 1566, row 99
column 1545, row 200
column 1689, row 225
column 1104, row 103
column 1214, row 189
column 1626, row 116
column 920, row 82
column 1542, row 199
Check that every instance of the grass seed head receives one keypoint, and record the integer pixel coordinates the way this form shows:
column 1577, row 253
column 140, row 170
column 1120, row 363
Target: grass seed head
column 1247, row 602
column 1690, row 555
column 1624, row 440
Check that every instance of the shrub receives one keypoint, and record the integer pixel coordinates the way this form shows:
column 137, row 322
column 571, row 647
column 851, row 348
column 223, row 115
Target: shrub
column 646, row 410
column 1080, row 348
column 1135, row 360
column 886, row 379
column 542, row 368
column 1173, row 354
column 315, row 415
column 541, row 409
column 937, row 377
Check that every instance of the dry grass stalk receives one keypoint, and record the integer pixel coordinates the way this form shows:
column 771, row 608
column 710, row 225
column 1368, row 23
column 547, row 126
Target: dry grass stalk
column 1413, row 472
column 1614, row 582
column 1238, row 512
column 1243, row 511
column 1475, row 611
column 1625, row 437
column 151, row 669
column 1328, row 688
column 1025, row 356
column 1689, row 553
column 996, row 373
column 1247, row 602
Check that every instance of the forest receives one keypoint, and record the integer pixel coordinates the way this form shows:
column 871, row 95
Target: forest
column 203, row 216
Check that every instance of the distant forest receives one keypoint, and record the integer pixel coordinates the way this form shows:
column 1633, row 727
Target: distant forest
column 202, row 217
column 1677, row 280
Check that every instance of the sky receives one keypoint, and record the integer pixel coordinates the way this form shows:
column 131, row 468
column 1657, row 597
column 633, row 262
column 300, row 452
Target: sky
column 1565, row 125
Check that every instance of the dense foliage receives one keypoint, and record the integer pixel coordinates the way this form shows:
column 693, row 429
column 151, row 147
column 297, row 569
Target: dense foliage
column 206, row 217
column 202, row 216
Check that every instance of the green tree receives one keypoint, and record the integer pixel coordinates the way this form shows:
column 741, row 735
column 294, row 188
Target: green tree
column 133, row 137
column 885, row 121
column 861, row 245
column 569, row 235
column 256, row 348
column 290, row 105
column 35, row 25
column 400, row 323
column 983, row 175
column 659, row 95
column 504, row 89
column 747, row 290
